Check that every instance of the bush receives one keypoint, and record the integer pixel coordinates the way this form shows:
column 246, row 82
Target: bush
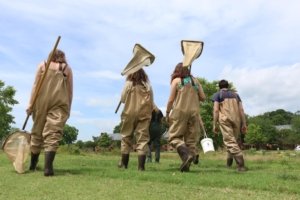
column 71, row 149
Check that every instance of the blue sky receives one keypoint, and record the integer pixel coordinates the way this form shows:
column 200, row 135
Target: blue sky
column 252, row 43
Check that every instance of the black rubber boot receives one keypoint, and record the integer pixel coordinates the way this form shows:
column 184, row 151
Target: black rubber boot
column 186, row 158
column 229, row 162
column 240, row 163
column 124, row 161
column 49, row 158
column 34, row 161
column 196, row 160
column 142, row 160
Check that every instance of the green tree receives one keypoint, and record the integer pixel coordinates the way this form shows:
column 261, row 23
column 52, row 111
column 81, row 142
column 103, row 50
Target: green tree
column 255, row 135
column 279, row 117
column 267, row 127
column 287, row 137
column 6, row 102
column 80, row 144
column 296, row 123
column 90, row 145
column 70, row 134
column 117, row 128
column 104, row 140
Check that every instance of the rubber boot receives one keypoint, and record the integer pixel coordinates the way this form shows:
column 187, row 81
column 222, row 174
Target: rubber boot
column 186, row 158
column 142, row 160
column 149, row 157
column 34, row 161
column 229, row 162
column 240, row 163
column 157, row 154
column 49, row 158
column 196, row 160
column 124, row 161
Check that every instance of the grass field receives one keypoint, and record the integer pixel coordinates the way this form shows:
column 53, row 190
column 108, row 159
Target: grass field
column 271, row 175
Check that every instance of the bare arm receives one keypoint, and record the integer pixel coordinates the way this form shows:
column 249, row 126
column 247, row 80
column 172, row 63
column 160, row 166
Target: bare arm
column 215, row 117
column 243, row 118
column 172, row 95
column 37, row 79
column 201, row 94
column 70, row 85
column 152, row 99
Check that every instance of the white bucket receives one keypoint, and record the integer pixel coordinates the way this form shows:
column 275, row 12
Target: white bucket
column 207, row 145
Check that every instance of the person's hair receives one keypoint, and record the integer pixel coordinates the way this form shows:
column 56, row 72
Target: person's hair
column 138, row 77
column 58, row 56
column 156, row 116
column 223, row 84
column 180, row 72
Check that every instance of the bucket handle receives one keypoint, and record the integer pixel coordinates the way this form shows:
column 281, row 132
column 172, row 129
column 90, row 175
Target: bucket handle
column 202, row 126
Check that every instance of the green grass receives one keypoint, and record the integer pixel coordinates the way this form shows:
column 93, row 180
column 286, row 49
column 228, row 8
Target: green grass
column 271, row 175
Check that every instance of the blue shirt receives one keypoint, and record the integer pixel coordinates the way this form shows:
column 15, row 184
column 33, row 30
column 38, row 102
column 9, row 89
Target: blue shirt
column 225, row 94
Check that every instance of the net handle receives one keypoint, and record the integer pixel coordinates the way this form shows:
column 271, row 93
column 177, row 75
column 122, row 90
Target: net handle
column 42, row 80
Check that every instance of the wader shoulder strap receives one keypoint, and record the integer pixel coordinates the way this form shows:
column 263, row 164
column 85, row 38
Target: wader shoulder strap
column 193, row 83
column 62, row 69
column 232, row 93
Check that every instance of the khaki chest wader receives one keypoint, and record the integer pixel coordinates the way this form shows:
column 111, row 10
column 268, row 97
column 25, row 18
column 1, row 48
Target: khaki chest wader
column 50, row 112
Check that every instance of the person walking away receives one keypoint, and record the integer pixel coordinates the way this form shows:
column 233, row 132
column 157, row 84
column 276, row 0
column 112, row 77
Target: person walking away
column 137, row 96
column 156, row 130
column 136, row 116
column 228, row 115
column 51, row 109
column 183, row 114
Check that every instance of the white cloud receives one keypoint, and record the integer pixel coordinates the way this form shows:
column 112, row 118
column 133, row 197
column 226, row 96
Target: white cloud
column 103, row 101
column 102, row 124
column 266, row 89
column 76, row 113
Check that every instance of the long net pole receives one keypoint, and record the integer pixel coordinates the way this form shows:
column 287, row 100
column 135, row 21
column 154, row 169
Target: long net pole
column 42, row 79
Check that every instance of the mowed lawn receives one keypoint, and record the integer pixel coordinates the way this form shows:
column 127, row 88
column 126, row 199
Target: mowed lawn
column 271, row 175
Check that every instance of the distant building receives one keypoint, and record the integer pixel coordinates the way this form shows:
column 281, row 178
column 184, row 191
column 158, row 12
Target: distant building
column 115, row 136
column 283, row 127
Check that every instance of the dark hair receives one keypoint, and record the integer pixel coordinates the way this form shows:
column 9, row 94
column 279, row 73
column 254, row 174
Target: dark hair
column 58, row 56
column 223, row 84
column 180, row 72
column 156, row 116
column 138, row 77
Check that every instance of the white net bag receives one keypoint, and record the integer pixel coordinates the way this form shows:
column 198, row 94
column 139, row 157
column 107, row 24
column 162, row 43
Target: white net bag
column 17, row 148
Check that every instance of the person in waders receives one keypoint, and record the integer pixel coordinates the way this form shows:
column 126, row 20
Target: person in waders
column 228, row 115
column 136, row 116
column 51, row 109
column 183, row 114
column 137, row 96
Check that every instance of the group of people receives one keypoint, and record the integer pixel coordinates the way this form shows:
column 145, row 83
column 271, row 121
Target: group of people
column 182, row 115
column 52, row 109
